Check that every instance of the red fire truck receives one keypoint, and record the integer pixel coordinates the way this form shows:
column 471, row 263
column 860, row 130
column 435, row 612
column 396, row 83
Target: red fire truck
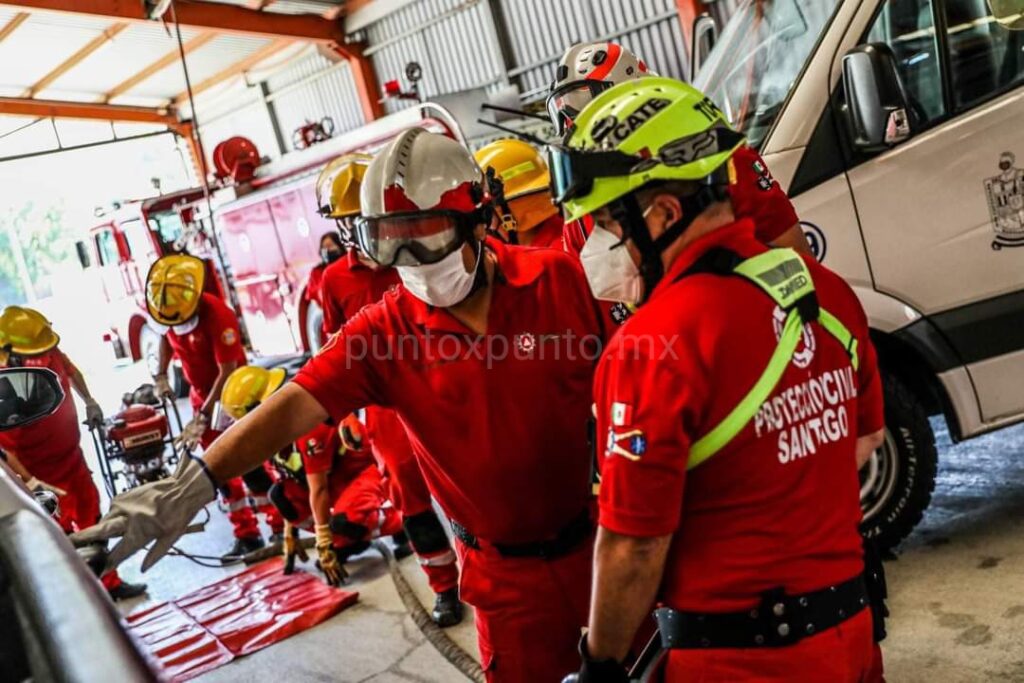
column 268, row 230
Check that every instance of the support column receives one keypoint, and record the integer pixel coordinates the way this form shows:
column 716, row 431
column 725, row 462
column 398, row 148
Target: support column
column 365, row 78
column 187, row 131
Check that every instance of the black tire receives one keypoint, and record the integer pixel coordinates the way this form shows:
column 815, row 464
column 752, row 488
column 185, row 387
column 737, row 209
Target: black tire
column 897, row 484
column 314, row 323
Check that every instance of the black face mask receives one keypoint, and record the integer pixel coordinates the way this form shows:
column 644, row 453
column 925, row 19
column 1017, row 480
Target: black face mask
column 329, row 256
column 1005, row 166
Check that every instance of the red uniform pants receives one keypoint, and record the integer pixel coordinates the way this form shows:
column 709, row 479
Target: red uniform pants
column 530, row 612
column 361, row 501
column 408, row 491
column 842, row 654
column 80, row 506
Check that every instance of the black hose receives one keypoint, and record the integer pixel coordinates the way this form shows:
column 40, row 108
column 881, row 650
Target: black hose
column 434, row 634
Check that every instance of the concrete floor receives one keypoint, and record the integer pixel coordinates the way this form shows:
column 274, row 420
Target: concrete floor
column 956, row 591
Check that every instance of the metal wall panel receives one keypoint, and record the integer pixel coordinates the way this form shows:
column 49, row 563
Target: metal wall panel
column 311, row 88
column 541, row 30
column 453, row 40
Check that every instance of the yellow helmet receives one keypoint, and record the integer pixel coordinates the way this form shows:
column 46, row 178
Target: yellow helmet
column 247, row 387
column 525, row 177
column 337, row 188
column 174, row 287
column 26, row 332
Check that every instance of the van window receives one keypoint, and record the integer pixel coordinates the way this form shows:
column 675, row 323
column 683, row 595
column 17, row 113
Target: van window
column 908, row 27
column 985, row 58
column 106, row 246
column 168, row 229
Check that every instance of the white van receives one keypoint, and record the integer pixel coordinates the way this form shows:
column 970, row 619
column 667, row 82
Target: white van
column 897, row 127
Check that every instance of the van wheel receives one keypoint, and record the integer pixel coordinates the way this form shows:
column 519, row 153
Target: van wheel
column 149, row 344
column 314, row 323
column 896, row 484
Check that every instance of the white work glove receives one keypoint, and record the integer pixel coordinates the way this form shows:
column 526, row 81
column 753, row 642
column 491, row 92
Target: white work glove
column 34, row 485
column 192, row 434
column 160, row 511
column 93, row 414
column 162, row 387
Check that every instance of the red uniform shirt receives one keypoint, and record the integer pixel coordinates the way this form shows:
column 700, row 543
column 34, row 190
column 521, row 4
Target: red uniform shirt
column 216, row 339
column 48, row 448
column 549, row 233
column 314, row 285
column 778, row 505
column 323, row 453
column 348, row 286
column 497, row 421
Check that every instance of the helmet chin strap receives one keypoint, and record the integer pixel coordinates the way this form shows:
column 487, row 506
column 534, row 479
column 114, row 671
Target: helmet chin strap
column 630, row 216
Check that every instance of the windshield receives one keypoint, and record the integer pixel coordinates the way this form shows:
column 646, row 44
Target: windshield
column 756, row 62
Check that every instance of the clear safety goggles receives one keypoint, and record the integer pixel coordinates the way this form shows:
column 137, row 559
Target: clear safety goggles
column 415, row 239
column 221, row 419
column 565, row 103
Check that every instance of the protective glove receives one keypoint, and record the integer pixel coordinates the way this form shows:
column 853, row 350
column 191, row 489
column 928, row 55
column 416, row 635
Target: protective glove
column 353, row 433
column 334, row 573
column 162, row 387
column 292, row 548
column 192, row 434
column 35, row 485
column 160, row 511
column 93, row 414
column 597, row 670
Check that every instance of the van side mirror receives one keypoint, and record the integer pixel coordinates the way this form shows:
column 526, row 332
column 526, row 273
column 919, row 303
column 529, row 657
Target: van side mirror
column 876, row 102
column 82, row 247
column 705, row 35
column 26, row 395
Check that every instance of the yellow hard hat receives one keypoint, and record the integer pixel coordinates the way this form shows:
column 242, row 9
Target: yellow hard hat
column 337, row 188
column 247, row 387
column 174, row 287
column 519, row 165
column 26, row 332
column 525, row 177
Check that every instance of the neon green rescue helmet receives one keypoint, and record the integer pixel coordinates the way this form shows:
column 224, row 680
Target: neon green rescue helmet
column 634, row 133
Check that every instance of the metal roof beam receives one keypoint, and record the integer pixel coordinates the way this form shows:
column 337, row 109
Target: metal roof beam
column 207, row 16
column 235, row 69
column 15, row 106
column 159, row 65
column 74, row 60
column 12, row 25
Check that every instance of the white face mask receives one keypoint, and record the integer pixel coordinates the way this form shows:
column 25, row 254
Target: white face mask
column 610, row 269
column 441, row 284
column 186, row 327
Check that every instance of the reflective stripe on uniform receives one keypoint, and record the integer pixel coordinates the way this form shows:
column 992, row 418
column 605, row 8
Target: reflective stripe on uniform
column 439, row 560
column 240, row 504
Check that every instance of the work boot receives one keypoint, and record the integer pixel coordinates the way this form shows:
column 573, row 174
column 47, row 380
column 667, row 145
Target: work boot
column 241, row 548
column 447, row 608
column 344, row 552
column 127, row 591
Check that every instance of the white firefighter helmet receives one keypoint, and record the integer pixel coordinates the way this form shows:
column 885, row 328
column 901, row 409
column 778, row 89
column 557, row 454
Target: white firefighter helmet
column 586, row 70
column 422, row 196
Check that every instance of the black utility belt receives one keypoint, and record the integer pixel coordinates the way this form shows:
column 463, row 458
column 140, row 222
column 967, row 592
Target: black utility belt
column 779, row 620
column 565, row 541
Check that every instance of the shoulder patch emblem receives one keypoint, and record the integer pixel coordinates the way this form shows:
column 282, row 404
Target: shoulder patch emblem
column 228, row 336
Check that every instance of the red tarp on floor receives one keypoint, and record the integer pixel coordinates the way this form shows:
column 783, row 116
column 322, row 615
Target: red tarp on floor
column 207, row 629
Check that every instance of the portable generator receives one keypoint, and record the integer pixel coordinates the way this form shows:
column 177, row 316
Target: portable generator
column 136, row 446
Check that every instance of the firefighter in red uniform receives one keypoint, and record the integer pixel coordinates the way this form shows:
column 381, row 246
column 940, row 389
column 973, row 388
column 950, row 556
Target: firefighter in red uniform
column 732, row 409
column 348, row 285
column 588, row 69
column 327, row 488
column 491, row 374
column 203, row 333
column 47, row 454
column 331, row 249
column 524, row 211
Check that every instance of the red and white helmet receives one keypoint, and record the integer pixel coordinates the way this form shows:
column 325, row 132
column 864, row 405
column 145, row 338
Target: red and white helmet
column 585, row 70
column 421, row 199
